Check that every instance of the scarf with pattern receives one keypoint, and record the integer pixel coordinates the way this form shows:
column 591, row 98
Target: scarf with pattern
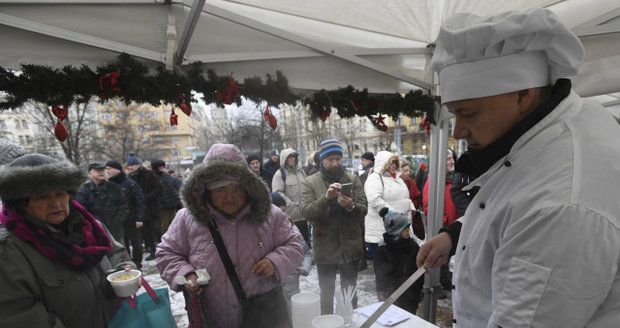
column 81, row 250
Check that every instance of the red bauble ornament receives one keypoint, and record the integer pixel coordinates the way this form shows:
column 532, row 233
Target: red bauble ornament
column 186, row 108
column 173, row 118
column 109, row 82
column 324, row 114
column 230, row 92
column 426, row 124
column 61, row 112
column 60, row 132
column 269, row 118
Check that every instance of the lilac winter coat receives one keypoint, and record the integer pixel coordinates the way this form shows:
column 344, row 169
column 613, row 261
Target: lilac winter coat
column 258, row 231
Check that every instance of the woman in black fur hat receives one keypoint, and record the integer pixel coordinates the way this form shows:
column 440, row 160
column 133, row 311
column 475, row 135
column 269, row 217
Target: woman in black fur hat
column 55, row 255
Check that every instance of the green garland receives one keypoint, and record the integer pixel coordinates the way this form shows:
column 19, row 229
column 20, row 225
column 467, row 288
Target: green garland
column 131, row 81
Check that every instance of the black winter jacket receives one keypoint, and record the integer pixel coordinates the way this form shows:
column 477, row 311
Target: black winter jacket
column 394, row 263
column 106, row 202
column 151, row 188
column 169, row 198
column 135, row 198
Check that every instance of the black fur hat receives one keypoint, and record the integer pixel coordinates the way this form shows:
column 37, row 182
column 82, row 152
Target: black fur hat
column 35, row 174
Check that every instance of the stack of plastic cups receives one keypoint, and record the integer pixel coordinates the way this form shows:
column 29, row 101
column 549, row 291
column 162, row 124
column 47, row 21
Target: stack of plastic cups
column 328, row 321
column 305, row 307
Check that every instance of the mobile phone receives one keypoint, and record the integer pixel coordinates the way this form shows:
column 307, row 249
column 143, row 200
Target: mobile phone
column 346, row 188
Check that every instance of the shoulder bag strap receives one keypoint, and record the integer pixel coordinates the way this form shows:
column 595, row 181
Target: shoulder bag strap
column 230, row 269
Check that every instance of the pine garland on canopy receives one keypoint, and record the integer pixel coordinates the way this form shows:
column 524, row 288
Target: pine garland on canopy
column 130, row 80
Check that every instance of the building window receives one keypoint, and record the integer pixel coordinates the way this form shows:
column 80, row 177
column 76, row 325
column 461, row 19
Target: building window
column 17, row 124
column 21, row 140
column 28, row 140
column 24, row 124
column 2, row 124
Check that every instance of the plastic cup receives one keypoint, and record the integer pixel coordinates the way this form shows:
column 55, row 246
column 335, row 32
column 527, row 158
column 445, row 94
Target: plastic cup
column 305, row 307
column 125, row 283
column 328, row 321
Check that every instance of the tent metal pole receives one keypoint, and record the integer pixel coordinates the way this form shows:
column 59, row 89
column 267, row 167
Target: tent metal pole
column 437, row 178
column 188, row 30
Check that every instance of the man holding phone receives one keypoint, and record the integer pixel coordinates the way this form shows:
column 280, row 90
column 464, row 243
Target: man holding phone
column 333, row 200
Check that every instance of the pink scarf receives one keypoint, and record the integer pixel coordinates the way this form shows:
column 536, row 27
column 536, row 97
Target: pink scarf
column 54, row 245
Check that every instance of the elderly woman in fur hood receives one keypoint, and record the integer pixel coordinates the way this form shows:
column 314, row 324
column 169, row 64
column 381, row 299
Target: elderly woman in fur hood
column 54, row 255
column 224, row 194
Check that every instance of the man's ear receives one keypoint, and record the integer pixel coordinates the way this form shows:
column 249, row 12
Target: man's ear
column 528, row 100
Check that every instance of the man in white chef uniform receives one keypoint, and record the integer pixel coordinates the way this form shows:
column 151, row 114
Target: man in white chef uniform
column 539, row 245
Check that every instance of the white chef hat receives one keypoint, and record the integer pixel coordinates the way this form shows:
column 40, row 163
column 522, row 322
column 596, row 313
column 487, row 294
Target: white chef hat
column 487, row 56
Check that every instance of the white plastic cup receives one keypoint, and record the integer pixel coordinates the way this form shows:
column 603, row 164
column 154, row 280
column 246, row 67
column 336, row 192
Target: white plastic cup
column 305, row 307
column 328, row 321
column 125, row 288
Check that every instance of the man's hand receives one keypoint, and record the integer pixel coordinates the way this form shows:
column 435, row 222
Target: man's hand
column 345, row 201
column 139, row 224
column 264, row 268
column 435, row 252
column 193, row 286
column 333, row 191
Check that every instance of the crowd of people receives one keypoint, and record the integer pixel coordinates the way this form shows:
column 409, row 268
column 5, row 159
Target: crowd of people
column 524, row 215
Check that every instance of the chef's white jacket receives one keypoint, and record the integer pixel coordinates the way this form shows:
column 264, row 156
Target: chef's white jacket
column 540, row 242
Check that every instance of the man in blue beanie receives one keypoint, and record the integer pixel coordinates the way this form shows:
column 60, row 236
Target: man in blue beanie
column 333, row 200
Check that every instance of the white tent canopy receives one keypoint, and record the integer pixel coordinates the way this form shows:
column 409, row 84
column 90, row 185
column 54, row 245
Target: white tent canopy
column 317, row 44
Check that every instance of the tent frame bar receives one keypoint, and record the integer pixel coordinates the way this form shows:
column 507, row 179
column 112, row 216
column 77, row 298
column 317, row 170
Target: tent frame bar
column 188, row 30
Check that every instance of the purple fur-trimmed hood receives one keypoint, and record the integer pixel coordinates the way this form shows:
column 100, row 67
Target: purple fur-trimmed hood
column 225, row 161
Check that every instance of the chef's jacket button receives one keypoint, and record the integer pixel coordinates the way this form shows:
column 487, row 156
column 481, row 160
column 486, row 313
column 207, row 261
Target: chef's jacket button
column 482, row 206
column 507, row 164
column 453, row 320
column 452, row 287
column 463, row 247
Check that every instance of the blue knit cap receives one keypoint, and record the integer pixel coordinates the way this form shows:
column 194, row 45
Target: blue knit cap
column 133, row 160
column 330, row 147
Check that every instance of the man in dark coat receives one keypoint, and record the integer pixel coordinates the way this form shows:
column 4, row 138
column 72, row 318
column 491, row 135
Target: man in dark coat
column 368, row 162
column 254, row 161
column 151, row 188
column 105, row 200
column 272, row 166
column 135, row 219
column 169, row 200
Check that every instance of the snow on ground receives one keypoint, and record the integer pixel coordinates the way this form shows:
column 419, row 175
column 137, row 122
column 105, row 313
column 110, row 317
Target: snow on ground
column 365, row 289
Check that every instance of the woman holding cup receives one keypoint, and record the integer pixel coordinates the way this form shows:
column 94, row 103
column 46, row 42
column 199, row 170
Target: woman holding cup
column 55, row 255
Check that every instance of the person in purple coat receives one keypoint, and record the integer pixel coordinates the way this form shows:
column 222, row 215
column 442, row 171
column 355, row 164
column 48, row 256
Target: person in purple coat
column 258, row 237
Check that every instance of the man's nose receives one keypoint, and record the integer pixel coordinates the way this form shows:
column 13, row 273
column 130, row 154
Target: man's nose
column 459, row 131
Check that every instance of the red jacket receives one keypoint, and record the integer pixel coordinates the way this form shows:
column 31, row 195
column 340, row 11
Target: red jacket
column 414, row 193
column 450, row 214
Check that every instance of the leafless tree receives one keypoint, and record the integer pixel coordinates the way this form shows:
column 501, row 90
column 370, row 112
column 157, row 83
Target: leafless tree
column 124, row 129
column 82, row 144
column 347, row 131
column 242, row 126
